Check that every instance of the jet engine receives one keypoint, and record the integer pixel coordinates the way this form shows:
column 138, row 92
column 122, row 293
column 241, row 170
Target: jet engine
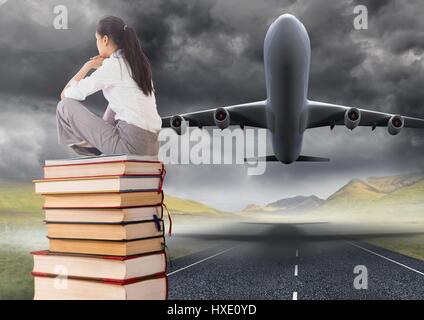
column 352, row 118
column 395, row 125
column 222, row 118
column 178, row 123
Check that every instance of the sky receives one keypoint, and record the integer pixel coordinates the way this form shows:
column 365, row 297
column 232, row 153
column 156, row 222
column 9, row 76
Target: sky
column 207, row 54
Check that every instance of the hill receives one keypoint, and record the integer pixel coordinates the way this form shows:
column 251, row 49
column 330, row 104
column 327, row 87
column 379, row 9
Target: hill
column 184, row 206
column 287, row 205
column 393, row 183
column 397, row 194
column 299, row 203
column 253, row 207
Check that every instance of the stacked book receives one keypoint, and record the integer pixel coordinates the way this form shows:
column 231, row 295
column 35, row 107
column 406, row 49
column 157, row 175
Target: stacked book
column 105, row 227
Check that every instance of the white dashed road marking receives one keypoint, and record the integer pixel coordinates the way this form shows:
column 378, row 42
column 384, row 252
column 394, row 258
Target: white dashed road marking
column 296, row 271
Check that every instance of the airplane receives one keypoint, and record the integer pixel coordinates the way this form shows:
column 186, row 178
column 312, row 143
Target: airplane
column 287, row 112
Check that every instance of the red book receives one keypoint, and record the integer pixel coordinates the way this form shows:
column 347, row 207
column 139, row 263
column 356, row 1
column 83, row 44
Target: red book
column 117, row 268
column 54, row 287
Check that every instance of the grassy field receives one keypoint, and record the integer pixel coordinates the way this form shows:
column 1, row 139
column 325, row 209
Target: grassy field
column 410, row 246
column 20, row 233
column 19, row 197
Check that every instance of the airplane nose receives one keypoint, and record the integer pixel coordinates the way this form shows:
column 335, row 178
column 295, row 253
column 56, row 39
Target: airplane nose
column 286, row 28
column 287, row 36
column 288, row 17
column 287, row 20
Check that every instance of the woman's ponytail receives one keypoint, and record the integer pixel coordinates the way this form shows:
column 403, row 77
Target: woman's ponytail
column 137, row 60
column 126, row 39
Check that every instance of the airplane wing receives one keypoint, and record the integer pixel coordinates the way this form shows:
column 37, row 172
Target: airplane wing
column 250, row 114
column 321, row 114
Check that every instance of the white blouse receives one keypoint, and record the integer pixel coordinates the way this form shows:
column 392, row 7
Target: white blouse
column 125, row 97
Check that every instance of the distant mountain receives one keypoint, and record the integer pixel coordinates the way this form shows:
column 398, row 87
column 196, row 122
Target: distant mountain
column 409, row 195
column 386, row 194
column 300, row 203
column 390, row 184
column 353, row 193
column 253, row 207
column 287, row 205
column 395, row 194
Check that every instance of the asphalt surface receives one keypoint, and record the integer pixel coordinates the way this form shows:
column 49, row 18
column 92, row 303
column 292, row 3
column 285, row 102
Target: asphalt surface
column 293, row 261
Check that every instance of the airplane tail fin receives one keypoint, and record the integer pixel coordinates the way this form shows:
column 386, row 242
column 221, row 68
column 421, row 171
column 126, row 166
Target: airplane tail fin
column 300, row 159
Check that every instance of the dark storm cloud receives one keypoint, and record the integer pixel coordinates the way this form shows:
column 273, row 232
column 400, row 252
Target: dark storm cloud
column 374, row 6
column 209, row 53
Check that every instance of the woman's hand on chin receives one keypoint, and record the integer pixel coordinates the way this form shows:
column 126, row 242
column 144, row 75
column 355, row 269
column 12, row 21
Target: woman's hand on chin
column 94, row 62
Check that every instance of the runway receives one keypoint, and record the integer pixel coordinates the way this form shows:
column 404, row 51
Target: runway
column 289, row 261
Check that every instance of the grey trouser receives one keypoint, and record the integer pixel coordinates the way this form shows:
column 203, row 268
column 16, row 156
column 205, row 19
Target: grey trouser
column 75, row 123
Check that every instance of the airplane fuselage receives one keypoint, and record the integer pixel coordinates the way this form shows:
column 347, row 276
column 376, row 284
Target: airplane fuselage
column 287, row 53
